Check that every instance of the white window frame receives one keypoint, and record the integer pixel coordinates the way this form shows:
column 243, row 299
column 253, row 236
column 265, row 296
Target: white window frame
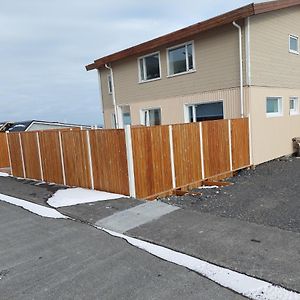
column 187, row 105
column 186, row 59
column 296, row 37
column 144, row 65
column 294, row 111
column 120, row 114
column 142, row 115
column 109, row 79
column 113, row 121
column 280, row 106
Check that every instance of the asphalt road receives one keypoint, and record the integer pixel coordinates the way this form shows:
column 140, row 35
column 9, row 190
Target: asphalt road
column 62, row 259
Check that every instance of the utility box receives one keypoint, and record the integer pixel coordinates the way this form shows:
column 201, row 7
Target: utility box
column 296, row 144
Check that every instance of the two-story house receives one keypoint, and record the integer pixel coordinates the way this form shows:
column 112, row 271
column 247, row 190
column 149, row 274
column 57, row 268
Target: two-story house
column 243, row 63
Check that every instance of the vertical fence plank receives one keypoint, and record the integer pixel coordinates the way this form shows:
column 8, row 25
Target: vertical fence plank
column 187, row 153
column 29, row 149
column 90, row 158
column 201, row 151
column 15, row 155
column 75, row 157
column 22, row 155
column 240, row 143
column 152, row 163
column 50, row 156
column 110, row 169
column 230, row 144
column 40, row 156
column 215, row 147
column 4, row 152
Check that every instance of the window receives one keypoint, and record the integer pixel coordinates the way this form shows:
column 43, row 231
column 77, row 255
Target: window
column 151, row 117
column 294, row 44
column 124, row 115
column 205, row 112
column 294, row 105
column 149, row 67
column 181, row 59
column 113, row 121
column 274, row 106
column 109, row 82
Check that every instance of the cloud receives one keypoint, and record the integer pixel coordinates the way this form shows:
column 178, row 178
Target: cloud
column 46, row 44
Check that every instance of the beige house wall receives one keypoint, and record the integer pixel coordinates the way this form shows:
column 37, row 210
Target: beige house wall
column 216, row 63
column 271, row 62
column 272, row 136
column 173, row 109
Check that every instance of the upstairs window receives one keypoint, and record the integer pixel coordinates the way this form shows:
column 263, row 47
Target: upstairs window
column 181, row 59
column 294, row 106
column 294, row 44
column 149, row 67
column 109, row 82
column 274, row 106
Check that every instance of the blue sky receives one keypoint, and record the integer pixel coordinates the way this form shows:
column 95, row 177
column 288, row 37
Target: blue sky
column 46, row 44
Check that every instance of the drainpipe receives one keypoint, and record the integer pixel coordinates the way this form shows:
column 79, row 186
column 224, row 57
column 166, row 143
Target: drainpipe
column 113, row 94
column 241, row 67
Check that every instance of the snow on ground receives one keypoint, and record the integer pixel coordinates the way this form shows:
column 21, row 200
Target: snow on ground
column 75, row 196
column 248, row 286
column 34, row 208
column 208, row 187
column 3, row 174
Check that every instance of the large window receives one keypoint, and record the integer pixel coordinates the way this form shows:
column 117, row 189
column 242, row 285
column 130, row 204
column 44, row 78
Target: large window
column 149, row 67
column 294, row 44
column 274, row 106
column 181, row 59
column 205, row 111
column 294, row 106
column 151, row 117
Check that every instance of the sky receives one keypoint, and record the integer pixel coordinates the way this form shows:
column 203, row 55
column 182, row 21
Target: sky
column 45, row 45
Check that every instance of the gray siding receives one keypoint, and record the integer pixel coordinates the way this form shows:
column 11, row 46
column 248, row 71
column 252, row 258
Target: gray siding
column 271, row 62
column 217, row 67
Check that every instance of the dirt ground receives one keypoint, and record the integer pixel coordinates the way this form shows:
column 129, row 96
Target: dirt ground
column 268, row 195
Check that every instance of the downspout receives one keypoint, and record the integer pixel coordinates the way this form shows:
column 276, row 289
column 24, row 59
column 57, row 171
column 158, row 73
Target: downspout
column 113, row 94
column 101, row 96
column 241, row 67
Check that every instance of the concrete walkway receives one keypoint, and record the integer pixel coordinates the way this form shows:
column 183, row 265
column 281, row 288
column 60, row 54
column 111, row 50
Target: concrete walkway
column 130, row 218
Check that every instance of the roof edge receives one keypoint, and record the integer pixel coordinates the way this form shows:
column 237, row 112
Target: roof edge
column 175, row 36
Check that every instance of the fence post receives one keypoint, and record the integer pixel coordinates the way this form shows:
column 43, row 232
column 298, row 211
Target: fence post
column 22, row 155
column 40, row 156
column 62, row 158
column 201, row 151
column 8, row 150
column 130, row 165
column 230, row 145
column 90, row 158
column 250, row 140
column 172, row 156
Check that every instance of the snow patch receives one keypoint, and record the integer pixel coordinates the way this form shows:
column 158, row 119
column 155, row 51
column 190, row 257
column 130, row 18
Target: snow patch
column 4, row 174
column 73, row 196
column 208, row 187
column 40, row 210
column 250, row 287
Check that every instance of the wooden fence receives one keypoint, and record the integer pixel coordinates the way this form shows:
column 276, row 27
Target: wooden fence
column 142, row 162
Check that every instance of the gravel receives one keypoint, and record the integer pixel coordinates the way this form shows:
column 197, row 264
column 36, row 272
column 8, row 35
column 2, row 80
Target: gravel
column 268, row 195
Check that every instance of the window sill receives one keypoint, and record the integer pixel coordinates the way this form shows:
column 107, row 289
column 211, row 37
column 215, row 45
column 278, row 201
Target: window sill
column 294, row 52
column 294, row 113
column 149, row 80
column 182, row 73
column 274, row 115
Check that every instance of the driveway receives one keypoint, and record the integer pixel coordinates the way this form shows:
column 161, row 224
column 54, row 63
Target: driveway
column 251, row 227
column 63, row 259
